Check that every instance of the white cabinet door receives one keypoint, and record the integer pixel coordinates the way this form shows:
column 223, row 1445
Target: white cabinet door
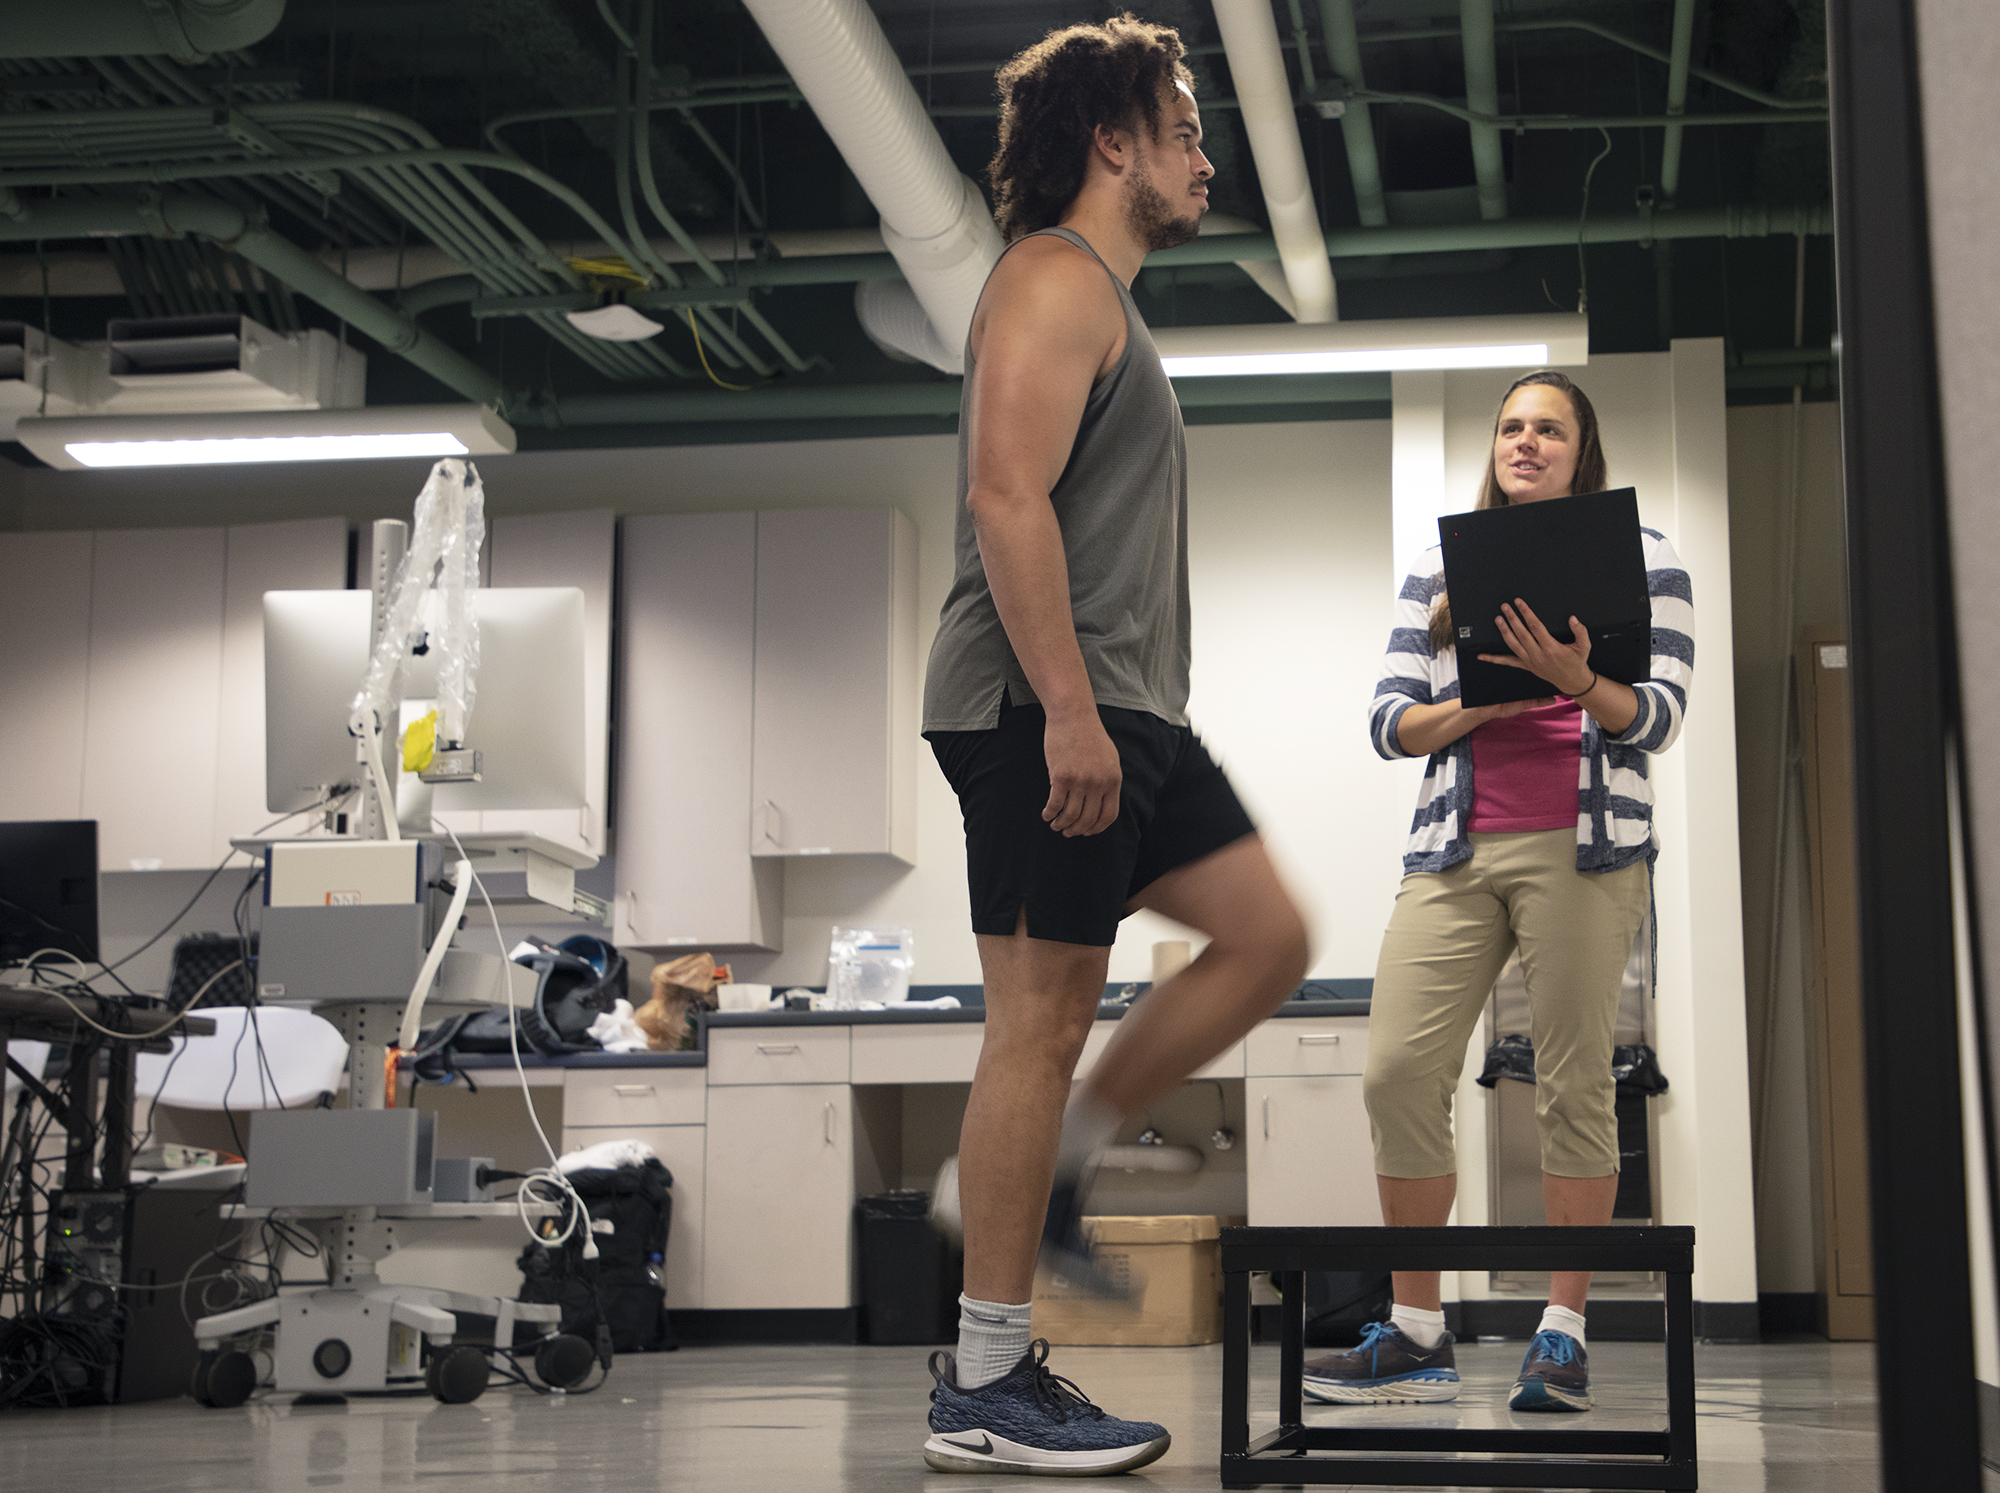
column 1309, row 1159
column 44, row 673
column 779, row 1229
column 685, row 674
column 837, row 711
column 566, row 549
column 306, row 555
column 149, row 751
column 682, row 1150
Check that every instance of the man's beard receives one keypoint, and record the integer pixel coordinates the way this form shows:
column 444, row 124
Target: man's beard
column 1151, row 218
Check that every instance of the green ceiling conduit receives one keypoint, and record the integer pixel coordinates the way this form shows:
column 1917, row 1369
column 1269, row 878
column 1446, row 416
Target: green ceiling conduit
column 1357, row 125
column 1677, row 97
column 649, row 188
column 1482, row 96
column 228, row 226
column 874, row 401
column 185, row 30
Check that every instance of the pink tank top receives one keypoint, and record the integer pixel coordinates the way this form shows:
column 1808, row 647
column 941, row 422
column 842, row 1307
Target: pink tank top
column 1526, row 770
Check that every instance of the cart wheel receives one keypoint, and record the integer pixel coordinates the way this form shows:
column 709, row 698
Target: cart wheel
column 563, row 1362
column 223, row 1381
column 457, row 1376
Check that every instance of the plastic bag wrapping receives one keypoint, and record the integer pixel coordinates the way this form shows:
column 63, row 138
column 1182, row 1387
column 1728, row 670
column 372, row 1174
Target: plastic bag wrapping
column 445, row 541
column 867, row 965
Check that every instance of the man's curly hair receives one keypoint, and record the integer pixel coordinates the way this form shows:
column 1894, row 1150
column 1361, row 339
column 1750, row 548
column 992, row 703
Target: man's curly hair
column 1054, row 96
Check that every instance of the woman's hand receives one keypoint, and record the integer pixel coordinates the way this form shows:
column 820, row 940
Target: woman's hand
column 1566, row 666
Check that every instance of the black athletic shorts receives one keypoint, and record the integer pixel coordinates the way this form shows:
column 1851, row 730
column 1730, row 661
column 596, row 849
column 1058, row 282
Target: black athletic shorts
column 1174, row 806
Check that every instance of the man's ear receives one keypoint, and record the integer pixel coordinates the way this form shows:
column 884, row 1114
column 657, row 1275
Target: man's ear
column 1113, row 147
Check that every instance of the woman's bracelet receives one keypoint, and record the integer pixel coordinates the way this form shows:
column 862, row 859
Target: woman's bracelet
column 1595, row 680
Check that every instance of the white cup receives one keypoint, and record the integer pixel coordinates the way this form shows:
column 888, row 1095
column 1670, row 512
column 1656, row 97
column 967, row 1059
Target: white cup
column 742, row 997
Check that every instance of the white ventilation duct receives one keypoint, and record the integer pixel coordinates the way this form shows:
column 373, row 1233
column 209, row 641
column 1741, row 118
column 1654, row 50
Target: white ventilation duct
column 1256, row 63
column 934, row 221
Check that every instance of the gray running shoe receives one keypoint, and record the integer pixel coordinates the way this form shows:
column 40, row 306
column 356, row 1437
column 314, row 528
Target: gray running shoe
column 1386, row 1367
column 1031, row 1421
column 1554, row 1376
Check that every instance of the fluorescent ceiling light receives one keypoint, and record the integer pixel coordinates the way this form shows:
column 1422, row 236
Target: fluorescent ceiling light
column 1375, row 346
column 77, row 442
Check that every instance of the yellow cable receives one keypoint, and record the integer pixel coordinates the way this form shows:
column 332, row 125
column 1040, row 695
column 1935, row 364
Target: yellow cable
column 702, row 353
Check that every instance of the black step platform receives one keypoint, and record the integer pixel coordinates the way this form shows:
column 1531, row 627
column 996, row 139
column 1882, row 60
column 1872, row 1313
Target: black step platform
column 1298, row 1453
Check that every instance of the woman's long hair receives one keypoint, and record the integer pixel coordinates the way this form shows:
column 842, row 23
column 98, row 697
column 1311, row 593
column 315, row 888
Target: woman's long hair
column 1590, row 472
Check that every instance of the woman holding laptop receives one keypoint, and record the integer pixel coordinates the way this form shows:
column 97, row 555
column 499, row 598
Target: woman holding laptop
column 1533, row 832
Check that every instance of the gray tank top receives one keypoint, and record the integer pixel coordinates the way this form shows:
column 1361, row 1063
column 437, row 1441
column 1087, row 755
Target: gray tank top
column 1122, row 505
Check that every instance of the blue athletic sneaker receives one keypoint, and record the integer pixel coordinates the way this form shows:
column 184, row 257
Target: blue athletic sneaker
column 1031, row 1421
column 1554, row 1376
column 1386, row 1367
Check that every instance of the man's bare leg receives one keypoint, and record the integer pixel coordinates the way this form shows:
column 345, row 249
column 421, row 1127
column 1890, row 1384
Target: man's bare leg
column 1256, row 957
column 1041, row 997
column 1575, row 1201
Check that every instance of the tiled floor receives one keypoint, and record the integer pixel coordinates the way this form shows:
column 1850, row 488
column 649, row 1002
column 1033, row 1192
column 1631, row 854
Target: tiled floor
column 1791, row 1416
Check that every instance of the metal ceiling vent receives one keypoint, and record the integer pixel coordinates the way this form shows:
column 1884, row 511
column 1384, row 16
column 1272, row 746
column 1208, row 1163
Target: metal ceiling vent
column 221, row 363
column 40, row 375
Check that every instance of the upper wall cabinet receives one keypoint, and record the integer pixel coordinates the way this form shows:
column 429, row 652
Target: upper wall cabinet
column 834, row 762
column 131, row 689
column 687, row 655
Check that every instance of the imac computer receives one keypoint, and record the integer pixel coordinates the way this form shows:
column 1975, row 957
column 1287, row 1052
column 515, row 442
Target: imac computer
column 527, row 712
column 48, row 888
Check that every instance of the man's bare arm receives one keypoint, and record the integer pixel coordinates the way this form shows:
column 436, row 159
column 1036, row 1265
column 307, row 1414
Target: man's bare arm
column 1048, row 325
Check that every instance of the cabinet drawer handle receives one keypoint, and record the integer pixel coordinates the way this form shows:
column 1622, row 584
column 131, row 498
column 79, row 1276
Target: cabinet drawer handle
column 632, row 1090
column 829, row 1124
column 1315, row 1039
column 774, row 822
column 1267, row 1117
column 772, row 1049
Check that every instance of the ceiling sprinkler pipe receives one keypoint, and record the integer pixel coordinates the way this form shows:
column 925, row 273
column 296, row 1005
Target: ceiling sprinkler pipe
column 1357, row 125
column 185, row 30
column 1257, row 66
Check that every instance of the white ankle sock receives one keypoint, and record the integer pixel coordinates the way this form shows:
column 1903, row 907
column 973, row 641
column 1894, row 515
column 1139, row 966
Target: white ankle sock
column 1425, row 1329
column 992, row 1337
column 1088, row 1126
column 1562, row 1319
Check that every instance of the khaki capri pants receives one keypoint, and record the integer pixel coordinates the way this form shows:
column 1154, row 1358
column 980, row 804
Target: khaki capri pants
column 1448, row 938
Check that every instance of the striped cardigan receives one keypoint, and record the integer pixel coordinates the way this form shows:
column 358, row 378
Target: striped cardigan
column 1614, row 821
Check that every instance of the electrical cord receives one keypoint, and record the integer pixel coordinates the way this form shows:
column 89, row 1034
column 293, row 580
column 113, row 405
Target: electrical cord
column 550, row 1176
column 67, row 999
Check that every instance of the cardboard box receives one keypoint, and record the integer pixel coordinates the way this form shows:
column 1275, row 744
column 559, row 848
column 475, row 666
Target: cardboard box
column 1174, row 1262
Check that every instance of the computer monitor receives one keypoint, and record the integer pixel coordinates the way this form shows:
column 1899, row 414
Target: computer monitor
column 527, row 712
column 48, row 888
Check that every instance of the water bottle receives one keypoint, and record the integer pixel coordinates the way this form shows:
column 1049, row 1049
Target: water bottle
column 653, row 1264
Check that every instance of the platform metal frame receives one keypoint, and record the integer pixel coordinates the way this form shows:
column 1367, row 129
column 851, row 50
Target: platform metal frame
column 1513, row 1458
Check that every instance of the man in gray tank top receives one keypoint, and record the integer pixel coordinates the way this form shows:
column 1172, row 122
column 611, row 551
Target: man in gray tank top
column 1056, row 702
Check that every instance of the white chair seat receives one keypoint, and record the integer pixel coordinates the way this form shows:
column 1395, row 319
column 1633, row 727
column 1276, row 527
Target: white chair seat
column 303, row 1057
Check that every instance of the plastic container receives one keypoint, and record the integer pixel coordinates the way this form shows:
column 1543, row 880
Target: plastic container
column 910, row 1277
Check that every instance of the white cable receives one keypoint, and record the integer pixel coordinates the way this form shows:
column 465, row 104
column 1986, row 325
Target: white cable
column 413, row 1009
column 550, row 1175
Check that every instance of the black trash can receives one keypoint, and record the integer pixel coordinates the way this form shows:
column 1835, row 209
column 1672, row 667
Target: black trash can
column 910, row 1277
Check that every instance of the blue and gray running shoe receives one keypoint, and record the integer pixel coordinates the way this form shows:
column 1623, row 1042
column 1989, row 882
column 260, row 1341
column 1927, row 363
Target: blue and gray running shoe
column 1031, row 1421
column 1386, row 1367
column 1554, row 1376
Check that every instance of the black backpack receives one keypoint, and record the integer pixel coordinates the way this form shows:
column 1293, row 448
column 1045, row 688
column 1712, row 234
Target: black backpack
column 621, row 1288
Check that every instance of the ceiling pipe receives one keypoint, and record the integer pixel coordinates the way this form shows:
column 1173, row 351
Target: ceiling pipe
column 185, row 30
column 941, row 399
column 934, row 221
column 178, row 217
column 1677, row 97
column 1257, row 66
column 1357, row 126
column 1482, row 96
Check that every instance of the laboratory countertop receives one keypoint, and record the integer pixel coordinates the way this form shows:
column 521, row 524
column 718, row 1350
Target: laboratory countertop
column 893, row 1017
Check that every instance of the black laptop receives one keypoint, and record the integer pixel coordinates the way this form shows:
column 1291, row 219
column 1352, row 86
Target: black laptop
column 1566, row 557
